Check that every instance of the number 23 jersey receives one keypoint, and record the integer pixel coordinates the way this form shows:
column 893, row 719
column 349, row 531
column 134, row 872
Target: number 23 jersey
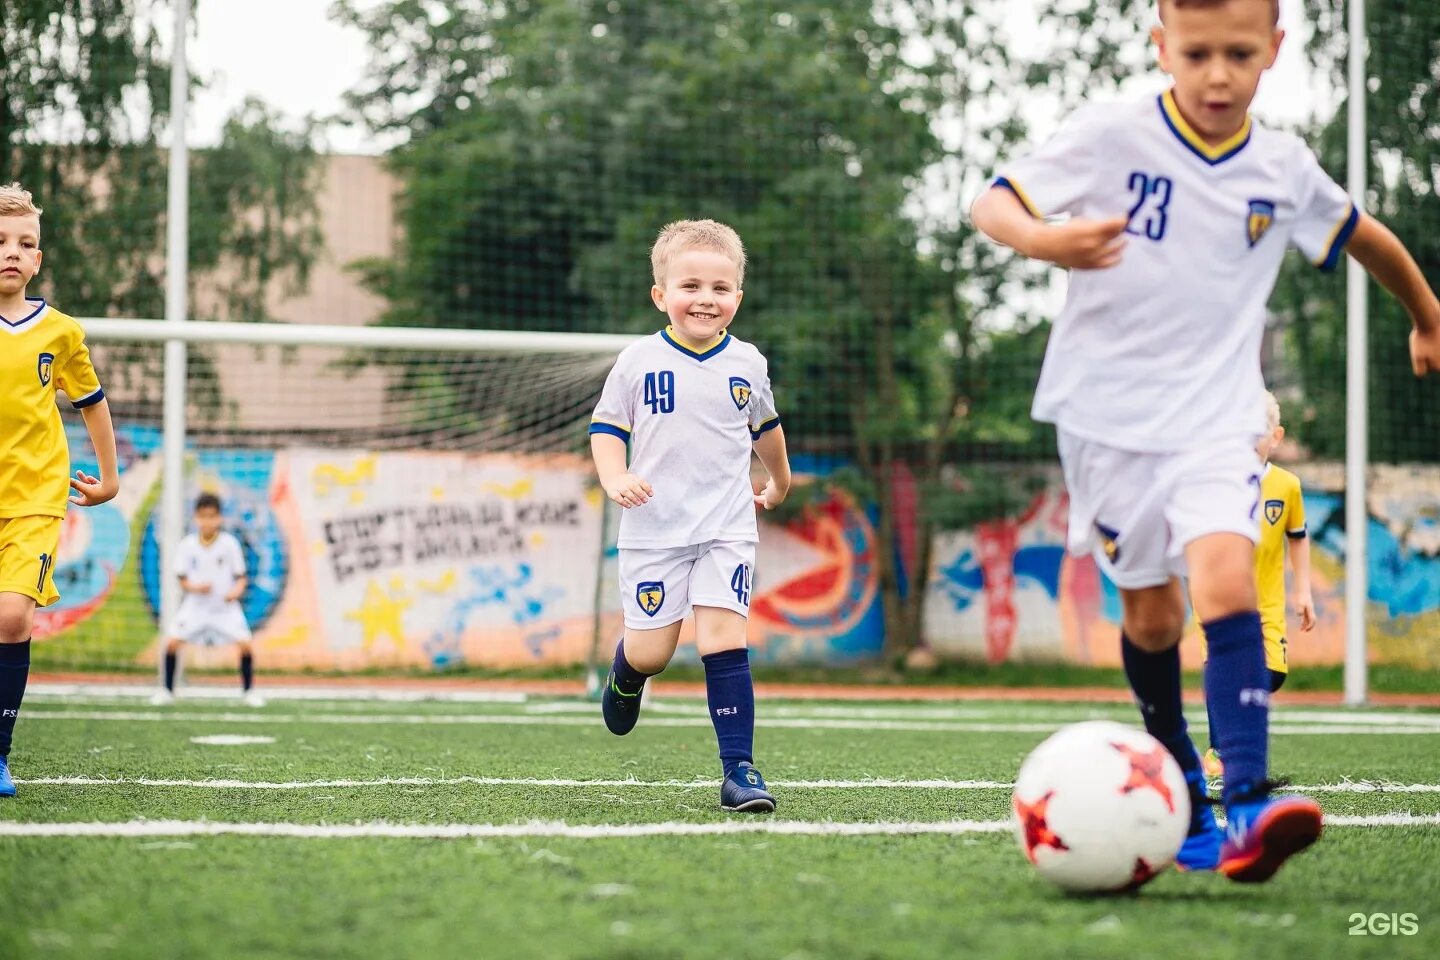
column 1162, row 351
column 690, row 416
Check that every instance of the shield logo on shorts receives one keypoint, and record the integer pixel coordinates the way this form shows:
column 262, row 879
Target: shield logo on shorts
column 1262, row 215
column 740, row 392
column 1273, row 509
column 42, row 367
column 650, row 595
column 1109, row 541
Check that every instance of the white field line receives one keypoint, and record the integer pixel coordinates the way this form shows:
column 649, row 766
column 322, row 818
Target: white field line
column 1346, row 786
column 921, row 726
column 448, row 831
column 85, row 693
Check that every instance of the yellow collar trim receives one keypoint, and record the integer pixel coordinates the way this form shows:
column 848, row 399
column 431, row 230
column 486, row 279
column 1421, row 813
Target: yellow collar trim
column 679, row 340
column 1196, row 142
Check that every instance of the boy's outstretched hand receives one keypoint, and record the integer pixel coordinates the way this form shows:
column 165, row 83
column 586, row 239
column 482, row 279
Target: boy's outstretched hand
column 92, row 491
column 1081, row 244
column 629, row 490
column 1425, row 351
column 771, row 496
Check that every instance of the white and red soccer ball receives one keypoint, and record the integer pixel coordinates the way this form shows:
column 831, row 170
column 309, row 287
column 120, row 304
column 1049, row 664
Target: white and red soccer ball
column 1100, row 806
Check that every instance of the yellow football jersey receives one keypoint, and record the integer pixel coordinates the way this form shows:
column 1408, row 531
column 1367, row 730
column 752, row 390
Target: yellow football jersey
column 1282, row 517
column 44, row 352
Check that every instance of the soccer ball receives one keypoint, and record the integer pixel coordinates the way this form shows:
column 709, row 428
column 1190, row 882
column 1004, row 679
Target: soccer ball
column 1100, row 806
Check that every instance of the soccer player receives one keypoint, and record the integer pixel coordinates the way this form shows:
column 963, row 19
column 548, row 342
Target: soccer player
column 1180, row 210
column 691, row 401
column 44, row 352
column 211, row 568
column 1282, row 518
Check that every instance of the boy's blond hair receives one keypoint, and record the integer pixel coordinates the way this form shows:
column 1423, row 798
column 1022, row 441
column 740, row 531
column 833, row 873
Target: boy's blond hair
column 1272, row 412
column 16, row 201
column 1204, row 4
column 684, row 235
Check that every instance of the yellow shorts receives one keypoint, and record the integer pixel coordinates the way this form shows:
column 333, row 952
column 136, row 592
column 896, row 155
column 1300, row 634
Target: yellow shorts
column 1276, row 657
column 27, row 557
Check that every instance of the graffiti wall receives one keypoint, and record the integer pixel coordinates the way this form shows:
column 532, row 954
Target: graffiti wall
column 1006, row 590
column 362, row 560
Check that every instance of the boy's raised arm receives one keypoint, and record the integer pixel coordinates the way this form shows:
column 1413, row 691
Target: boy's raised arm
column 1076, row 244
column 1382, row 254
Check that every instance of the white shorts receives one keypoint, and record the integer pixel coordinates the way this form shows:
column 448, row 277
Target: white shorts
column 660, row 587
column 211, row 628
column 1136, row 512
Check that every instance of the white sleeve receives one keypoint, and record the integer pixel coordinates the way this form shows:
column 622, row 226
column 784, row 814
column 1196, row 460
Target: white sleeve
column 1056, row 177
column 763, row 416
column 1325, row 216
column 237, row 558
column 615, row 413
column 184, row 557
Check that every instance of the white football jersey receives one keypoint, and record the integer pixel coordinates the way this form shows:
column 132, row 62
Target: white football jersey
column 690, row 419
column 1162, row 351
column 219, row 563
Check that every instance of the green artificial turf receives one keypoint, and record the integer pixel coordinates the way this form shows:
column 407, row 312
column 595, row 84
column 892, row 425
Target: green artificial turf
column 749, row 895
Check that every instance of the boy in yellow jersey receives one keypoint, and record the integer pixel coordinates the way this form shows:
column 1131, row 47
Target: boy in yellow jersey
column 44, row 352
column 1282, row 518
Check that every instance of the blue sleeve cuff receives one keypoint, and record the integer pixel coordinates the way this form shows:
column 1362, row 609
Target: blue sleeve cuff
column 765, row 427
column 1342, row 237
column 610, row 429
column 89, row 401
column 1005, row 183
column 1300, row 534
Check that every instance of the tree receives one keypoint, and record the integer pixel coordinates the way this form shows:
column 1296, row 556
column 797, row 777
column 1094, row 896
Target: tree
column 84, row 100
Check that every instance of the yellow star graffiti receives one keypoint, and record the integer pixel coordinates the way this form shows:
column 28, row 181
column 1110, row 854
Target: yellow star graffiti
column 381, row 615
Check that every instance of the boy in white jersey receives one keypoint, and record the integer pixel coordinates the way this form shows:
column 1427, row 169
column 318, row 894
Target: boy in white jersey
column 45, row 354
column 692, row 402
column 211, row 566
column 1180, row 210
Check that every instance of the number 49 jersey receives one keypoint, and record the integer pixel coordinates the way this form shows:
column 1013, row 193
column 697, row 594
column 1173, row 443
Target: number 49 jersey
column 690, row 417
column 1162, row 351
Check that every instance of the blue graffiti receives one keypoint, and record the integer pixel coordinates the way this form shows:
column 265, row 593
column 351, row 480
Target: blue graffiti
column 510, row 589
column 1406, row 582
column 1037, row 563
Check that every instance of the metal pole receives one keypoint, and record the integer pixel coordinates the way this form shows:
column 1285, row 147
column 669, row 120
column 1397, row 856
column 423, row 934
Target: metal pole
column 1357, row 383
column 177, row 239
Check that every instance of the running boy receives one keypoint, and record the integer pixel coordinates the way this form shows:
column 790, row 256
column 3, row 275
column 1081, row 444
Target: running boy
column 692, row 402
column 1180, row 211
column 211, row 568
column 1282, row 518
column 44, row 352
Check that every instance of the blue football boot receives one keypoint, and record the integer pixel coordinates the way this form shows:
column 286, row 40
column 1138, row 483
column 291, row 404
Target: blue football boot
column 1260, row 835
column 620, row 709
column 744, row 791
column 7, row 785
column 1201, row 849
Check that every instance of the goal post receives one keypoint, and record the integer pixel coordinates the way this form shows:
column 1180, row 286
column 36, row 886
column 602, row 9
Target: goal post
column 408, row 499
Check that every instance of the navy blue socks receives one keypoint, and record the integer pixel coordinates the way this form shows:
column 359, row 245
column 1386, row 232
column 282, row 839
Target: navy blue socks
column 171, row 659
column 1155, row 680
column 14, row 671
column 627, row 679
column 247, row 671
column 732, row 705
column 1237, row 690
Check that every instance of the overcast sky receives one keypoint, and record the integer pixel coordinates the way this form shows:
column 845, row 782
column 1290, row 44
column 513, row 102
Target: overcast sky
column 291, row 55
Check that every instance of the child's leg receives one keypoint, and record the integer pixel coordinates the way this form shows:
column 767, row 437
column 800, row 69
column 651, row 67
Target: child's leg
column 247, row 666
column 17, row 613
column 1154, row 620
column 720, row 639
column 1237, row 684
column 642, row 654
column 172, row 660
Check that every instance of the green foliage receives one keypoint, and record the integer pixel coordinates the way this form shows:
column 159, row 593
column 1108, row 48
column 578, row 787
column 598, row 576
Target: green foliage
column 84, row 101
column 1404, row 177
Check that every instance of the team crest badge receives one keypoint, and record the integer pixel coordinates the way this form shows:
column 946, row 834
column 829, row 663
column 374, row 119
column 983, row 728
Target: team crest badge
column 1262, row 215
column 1273, row 509
column 740, row 392
column 42, row 367
column 650, row 595
column 1109, row 541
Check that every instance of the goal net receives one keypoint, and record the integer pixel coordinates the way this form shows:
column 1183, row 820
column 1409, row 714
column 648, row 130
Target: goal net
column 399, row 504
